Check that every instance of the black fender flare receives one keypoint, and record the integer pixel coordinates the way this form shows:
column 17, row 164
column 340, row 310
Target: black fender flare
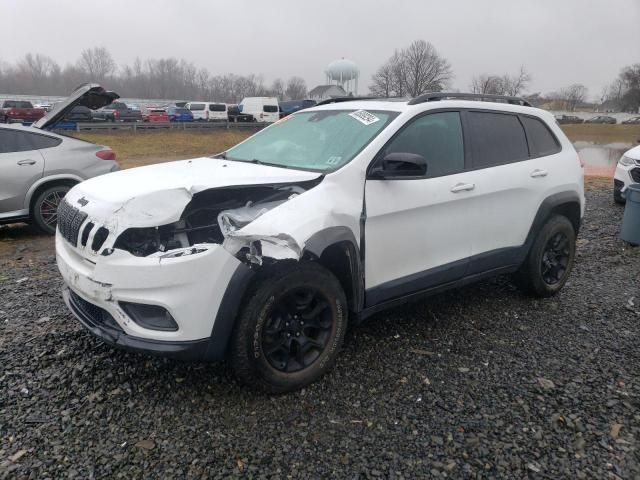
column 555, row 202
column 318, row 244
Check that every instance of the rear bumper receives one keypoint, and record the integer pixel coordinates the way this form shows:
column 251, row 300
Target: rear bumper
column 97, row 321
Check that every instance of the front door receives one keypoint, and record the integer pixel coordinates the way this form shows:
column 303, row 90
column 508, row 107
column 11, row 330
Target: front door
column 417, row 230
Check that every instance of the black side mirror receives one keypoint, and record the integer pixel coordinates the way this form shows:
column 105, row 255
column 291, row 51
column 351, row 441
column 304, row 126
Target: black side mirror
column 399, row 164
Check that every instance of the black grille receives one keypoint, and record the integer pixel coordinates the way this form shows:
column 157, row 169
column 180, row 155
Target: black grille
column 93, row 314
column 70, row 220
column 635, row 174
column 99, row 238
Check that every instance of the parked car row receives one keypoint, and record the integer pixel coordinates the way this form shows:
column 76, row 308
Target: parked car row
column 601, row 119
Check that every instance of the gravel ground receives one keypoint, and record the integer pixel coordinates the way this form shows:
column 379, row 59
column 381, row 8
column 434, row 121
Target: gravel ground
column 482, row 382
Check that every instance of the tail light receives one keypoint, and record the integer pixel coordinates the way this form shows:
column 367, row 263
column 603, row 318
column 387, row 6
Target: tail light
column 106, row 154
column 261, row 115
column 116, row 114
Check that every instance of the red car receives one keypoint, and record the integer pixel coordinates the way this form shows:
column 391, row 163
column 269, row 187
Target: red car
column 20, row 111
column 155, row 115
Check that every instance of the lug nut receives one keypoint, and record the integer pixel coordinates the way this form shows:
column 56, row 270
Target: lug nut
column 288, row 334
column 298, row 334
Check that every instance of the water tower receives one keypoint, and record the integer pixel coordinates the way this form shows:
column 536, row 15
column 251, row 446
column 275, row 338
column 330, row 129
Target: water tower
column 345, row 73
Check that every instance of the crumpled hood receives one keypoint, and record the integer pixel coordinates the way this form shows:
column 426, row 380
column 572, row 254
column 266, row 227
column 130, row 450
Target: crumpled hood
column 157, row 194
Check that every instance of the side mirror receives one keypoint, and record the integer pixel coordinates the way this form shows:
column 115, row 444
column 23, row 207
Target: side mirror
column 398, row 165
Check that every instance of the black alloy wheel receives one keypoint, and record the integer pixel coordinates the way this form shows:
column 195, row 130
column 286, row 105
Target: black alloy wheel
column 555, row 259
column 297, row 330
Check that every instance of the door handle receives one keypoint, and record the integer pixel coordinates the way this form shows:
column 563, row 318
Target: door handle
column 463, row 187
column 27, row 161
column 538, row 173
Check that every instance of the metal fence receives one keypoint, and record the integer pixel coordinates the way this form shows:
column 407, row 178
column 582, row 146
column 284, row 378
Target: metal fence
column 151, row 126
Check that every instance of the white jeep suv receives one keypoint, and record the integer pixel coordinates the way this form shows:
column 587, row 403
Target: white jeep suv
column 263, row 253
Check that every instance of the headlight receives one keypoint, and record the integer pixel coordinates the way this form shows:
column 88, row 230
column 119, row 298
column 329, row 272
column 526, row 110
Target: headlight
column 626, row 161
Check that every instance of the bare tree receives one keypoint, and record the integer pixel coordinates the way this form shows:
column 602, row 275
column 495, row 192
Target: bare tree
column 382, row 81
column 515, row 85
column 489, row 84
column 97, row 62
column 296, row 88
column 277, row 88
column 572, row 96
column 426, row 70
column 412, row 71
column 506, row 84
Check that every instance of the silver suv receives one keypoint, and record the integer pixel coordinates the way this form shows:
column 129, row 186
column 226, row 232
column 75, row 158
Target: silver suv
column 38, row 167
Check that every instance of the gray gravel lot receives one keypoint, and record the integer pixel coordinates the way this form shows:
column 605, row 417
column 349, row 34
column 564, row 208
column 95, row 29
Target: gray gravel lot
column 482, row 382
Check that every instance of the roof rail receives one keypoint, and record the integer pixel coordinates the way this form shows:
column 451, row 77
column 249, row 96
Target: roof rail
column 435, row 96
column 329, row 101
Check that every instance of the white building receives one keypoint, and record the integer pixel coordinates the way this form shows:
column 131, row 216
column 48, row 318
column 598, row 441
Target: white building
column 324, row 92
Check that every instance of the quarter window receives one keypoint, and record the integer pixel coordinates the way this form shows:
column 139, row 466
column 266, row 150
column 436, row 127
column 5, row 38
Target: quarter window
column 496, row 138
column 438, row 138
column 541, row 140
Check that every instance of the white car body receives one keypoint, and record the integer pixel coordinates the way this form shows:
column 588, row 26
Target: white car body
column 627, row 168
column 208, row 111
column 263, row 109
column 458, row 227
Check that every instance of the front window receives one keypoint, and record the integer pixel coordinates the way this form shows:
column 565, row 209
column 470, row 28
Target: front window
column 318, row 141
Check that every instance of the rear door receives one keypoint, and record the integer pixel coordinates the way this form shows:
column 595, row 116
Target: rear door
column 510, row 185
column 21, row 165
column 417, row 230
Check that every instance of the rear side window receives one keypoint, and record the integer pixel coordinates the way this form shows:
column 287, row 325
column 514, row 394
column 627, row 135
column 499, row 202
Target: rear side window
column 40, row 142
column 541, row 140
column 496, row 139
column 15, row 141
column 438, row 138
column 217, row 107
column 270, row 108
column 196, row 106
column 17, row 104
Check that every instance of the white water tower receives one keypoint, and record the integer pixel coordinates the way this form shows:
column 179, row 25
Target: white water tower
column 345, row 73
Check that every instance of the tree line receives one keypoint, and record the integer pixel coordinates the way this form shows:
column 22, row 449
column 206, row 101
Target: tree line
column 162, row 78
column 409, row 72
column 419, row 69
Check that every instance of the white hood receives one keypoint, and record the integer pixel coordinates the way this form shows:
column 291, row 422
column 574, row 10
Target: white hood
column 157, row 194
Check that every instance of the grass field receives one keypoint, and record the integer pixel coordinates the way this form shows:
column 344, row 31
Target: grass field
column 134, row 150
column 603, row 134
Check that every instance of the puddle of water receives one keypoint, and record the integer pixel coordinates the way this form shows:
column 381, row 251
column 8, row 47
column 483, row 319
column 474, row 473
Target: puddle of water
column 600, row 160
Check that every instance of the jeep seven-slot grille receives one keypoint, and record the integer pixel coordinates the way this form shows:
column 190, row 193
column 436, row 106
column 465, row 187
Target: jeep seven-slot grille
column 635, row 174
column 70, row 220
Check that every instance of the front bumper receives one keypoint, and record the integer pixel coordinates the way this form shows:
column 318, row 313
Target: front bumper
column 625, row 176
column 194, row 289
column 93, row 318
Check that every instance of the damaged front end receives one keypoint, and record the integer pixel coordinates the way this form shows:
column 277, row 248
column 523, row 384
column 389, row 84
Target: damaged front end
column 217, row 217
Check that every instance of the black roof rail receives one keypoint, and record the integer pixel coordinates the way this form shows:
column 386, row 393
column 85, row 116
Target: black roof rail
column 329, row 101
column 435, row 96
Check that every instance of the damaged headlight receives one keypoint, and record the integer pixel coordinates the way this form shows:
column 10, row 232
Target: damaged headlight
column 236, row 218
column 626, row 161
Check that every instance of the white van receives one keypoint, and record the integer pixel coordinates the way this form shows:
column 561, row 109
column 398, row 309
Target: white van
column 208, row 111
column 263, row 109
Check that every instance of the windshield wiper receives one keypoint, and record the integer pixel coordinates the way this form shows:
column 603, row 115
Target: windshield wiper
column 222, row 155
column 268, row 164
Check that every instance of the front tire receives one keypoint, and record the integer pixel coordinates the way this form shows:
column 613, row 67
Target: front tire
column 290, row 330
column 45, row 208
column 548, row 265
column 617, row 197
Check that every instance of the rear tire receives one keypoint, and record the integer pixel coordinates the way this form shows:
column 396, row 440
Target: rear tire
column 45, row 207
column 290, row 330
column 549, row 262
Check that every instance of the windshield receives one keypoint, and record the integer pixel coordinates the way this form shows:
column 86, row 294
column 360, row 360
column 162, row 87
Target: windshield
column 319, row 141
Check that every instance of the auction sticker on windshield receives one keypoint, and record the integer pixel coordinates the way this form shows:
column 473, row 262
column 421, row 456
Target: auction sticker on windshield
column 364, row 117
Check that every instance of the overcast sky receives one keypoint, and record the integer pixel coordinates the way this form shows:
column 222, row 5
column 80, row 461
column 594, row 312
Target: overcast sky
column 559, row 41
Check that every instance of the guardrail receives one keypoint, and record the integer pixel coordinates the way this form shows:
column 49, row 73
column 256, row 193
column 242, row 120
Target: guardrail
column 149, row 126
